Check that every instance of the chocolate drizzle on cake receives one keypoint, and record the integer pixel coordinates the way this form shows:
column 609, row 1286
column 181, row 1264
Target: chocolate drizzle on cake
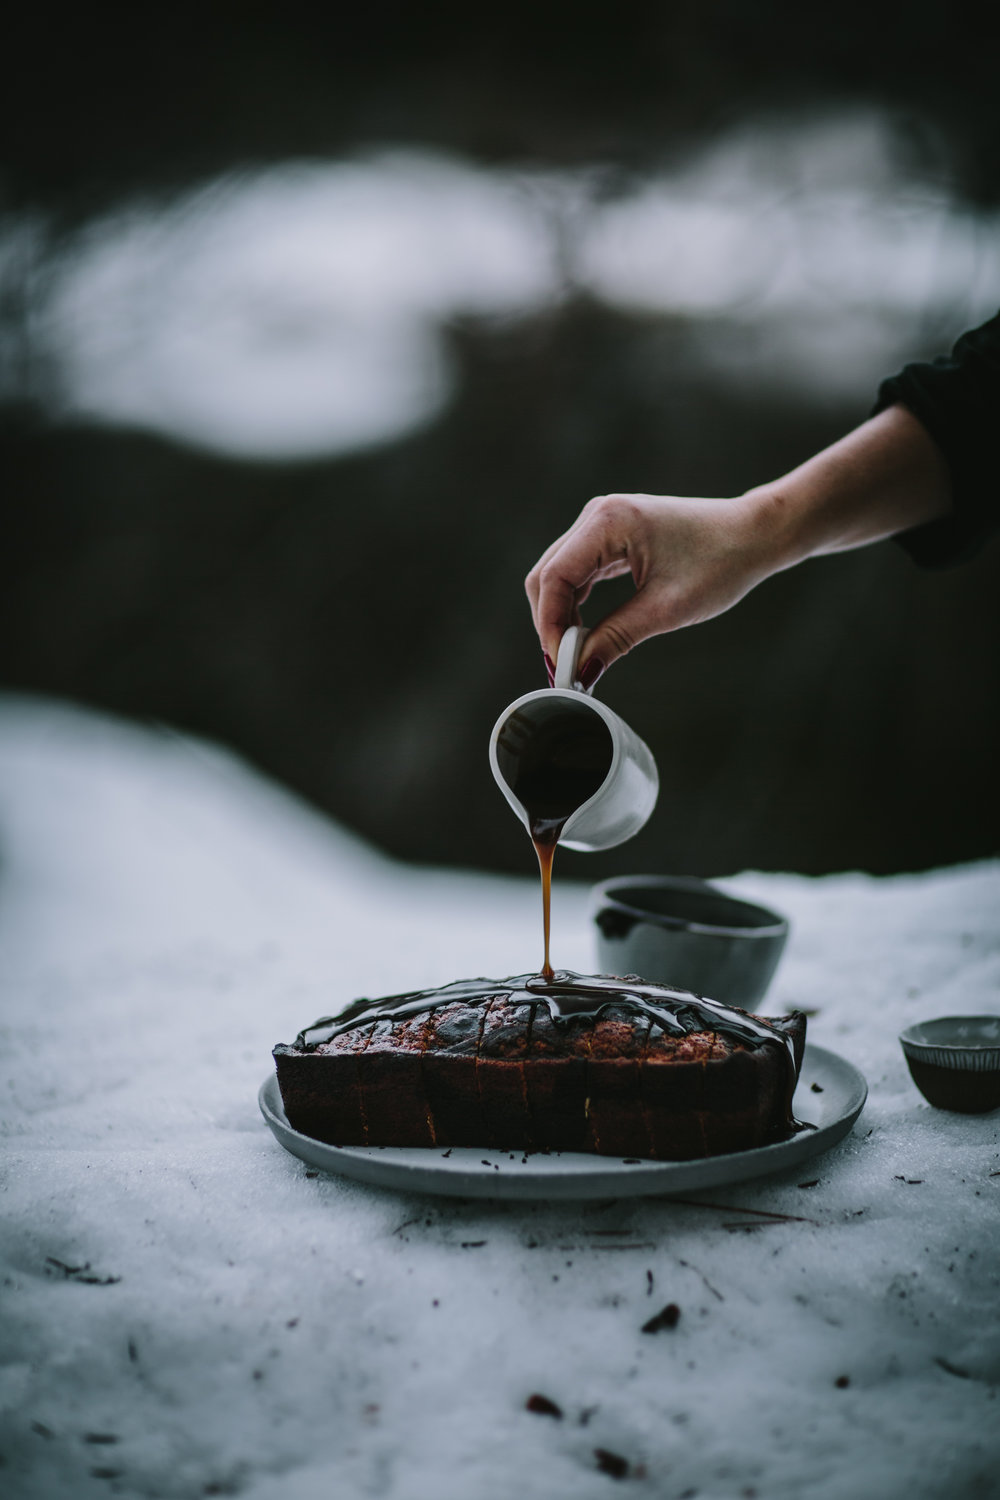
column 566, row 995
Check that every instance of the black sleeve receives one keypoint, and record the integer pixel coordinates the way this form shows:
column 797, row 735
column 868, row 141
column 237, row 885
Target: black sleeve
column 957, row 399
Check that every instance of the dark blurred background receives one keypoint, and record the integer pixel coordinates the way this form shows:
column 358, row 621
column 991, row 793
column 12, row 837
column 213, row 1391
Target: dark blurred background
column 316, row 328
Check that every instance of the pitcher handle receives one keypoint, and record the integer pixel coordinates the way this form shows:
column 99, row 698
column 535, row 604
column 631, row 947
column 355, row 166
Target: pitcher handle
column 567, row 657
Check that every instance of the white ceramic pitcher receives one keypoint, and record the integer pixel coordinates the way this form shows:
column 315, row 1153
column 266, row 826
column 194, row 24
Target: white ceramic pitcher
column 624, row 800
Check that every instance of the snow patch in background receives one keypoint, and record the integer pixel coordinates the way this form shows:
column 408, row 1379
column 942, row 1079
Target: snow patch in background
column 293, row 311
column 188, row 1310
column 299, row 311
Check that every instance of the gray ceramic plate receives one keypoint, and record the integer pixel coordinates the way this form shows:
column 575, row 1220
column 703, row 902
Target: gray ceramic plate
column 474, row 1173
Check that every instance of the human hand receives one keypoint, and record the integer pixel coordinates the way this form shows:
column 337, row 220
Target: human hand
column 689, row 558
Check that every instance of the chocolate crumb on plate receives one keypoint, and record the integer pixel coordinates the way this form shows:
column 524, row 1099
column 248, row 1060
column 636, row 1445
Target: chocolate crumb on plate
column 611, row 1463
column 543, row 1407
column 667, row 1317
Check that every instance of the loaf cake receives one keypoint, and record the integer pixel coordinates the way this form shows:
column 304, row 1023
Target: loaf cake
column 618, row 1067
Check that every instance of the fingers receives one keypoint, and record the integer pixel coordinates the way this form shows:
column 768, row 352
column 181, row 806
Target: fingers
column 603, row 543
column 690, row 558
column 533, row 582
column 636, row 620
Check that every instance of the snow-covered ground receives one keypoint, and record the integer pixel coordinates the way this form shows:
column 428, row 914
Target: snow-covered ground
column 189, row 1311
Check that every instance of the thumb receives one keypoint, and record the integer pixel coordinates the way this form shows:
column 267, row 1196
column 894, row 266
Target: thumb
column 634, row 621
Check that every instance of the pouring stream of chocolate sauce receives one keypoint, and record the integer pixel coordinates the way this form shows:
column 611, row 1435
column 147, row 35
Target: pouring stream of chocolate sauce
column 553, row 760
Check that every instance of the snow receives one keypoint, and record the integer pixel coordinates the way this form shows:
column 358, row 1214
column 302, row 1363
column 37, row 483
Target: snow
column 188, row 1310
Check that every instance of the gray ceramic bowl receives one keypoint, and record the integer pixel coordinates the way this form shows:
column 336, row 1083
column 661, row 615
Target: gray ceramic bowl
column 955, row 1062
column 676, row 930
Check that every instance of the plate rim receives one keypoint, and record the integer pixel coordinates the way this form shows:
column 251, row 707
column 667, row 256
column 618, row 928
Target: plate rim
column 568, row 1175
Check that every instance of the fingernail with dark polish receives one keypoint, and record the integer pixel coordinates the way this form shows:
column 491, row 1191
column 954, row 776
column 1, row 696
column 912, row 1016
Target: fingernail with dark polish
column 550, row 668
column 591, row 672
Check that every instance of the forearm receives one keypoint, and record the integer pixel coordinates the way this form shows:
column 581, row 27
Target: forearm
column 883, row 478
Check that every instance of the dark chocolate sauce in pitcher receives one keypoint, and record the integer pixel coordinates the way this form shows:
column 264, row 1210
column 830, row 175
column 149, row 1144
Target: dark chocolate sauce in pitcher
column 554, row 755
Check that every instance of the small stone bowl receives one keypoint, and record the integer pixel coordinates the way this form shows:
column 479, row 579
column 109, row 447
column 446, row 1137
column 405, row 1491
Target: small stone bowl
column 678, row 930
column 955, row 1062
